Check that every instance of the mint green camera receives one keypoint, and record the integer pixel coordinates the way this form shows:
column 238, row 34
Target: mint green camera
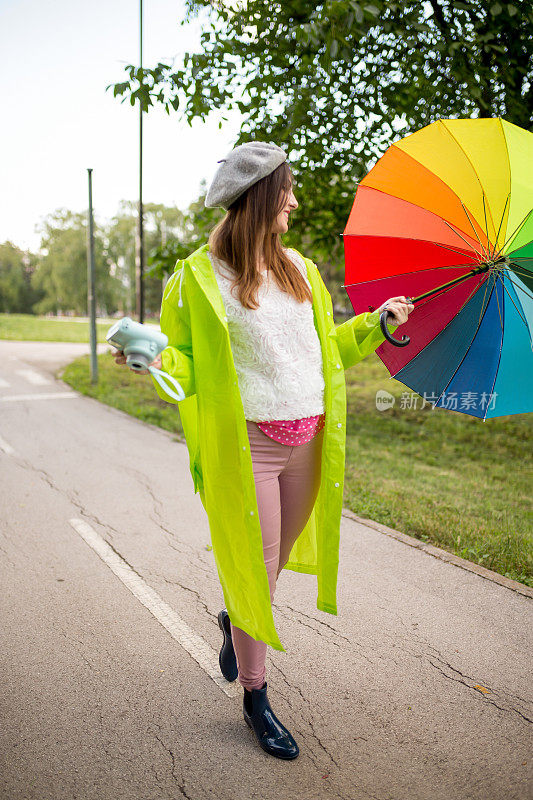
column 139, row 344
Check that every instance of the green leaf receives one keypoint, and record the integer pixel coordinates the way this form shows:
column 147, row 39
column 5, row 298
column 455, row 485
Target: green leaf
column 374, row 10
column 496, row 9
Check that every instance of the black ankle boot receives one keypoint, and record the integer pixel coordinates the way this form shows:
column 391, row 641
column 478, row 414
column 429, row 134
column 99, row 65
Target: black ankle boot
column 272, row 736
column 226, row 657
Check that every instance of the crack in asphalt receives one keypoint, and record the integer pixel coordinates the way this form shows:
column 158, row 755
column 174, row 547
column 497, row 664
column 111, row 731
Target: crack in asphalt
column 180, row 783
column 308, row 720
column 185, row 588
column 184, row 549
column 472, row 685
column 464, row 679
column 73, row 497
column 181, row 547
column 6, row 559
column 321, row 623
column 431, row 655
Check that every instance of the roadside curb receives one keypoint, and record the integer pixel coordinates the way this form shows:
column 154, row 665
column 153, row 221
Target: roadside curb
column 443, row 555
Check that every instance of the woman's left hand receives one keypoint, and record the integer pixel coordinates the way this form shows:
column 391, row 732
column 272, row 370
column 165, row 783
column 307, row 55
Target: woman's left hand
column 398, row 308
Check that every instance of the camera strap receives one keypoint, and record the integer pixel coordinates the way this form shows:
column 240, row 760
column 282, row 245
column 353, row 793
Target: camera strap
column 164, row 379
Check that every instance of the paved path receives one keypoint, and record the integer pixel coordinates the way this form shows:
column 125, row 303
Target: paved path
column 419, row 689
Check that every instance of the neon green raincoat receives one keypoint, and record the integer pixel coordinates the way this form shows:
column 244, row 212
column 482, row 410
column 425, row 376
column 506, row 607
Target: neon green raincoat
column 199, row 356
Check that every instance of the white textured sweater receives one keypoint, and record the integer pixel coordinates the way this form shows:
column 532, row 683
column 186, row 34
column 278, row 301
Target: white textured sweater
column 275, row 348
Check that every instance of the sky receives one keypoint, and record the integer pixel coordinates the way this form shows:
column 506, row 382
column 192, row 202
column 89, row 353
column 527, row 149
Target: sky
column 58, row 120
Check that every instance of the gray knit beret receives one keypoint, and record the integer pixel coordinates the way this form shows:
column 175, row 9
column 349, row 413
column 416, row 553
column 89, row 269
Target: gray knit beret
column 242, row 167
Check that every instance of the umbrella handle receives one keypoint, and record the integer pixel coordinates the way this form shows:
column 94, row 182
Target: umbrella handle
column 396, row 342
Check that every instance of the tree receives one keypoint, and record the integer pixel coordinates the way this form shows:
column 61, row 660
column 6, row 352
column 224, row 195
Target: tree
column 61, row 276
column 335, row 82
column 17, row 295
column 196, row 223
column 162, row 225
column 120, row 239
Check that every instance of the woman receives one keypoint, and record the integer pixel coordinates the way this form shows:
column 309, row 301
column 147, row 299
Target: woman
column 253, row 344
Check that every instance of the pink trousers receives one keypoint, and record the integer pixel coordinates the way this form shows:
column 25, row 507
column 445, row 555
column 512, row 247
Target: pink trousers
column 287, row 479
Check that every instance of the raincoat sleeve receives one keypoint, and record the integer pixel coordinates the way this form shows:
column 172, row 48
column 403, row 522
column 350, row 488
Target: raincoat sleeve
column 176, row 358
column 359, row 336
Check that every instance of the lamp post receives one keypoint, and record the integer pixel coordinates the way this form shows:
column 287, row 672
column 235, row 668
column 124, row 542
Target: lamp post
column 91, row 299
column 139, row 250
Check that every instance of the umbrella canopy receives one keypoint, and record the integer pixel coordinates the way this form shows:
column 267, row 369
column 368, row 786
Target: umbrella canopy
column 445, row 218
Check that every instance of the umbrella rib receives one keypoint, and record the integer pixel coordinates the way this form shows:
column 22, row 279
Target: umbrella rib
column 467, row 299
column 500, row 225
column 444, row 291
column 469, row 160
column 486, row 222
column 512, row 236
column 519, row 271
column 499, row 312
column 480, row 259
column 459, row 252
column 530, row 296
column 473, row 228
column 482, row 255
column 483, row 309
column 400, row 274
column 518, row 312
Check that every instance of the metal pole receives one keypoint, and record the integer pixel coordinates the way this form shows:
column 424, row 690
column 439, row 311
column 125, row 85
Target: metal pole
column 91, row 297
column 140, row 236
column 163, row 243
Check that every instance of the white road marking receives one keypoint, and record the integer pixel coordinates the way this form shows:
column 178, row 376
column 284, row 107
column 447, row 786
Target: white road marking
column 6, row 447
column 169, row 619
column 3, row 384
column 33, row 377
column 47, row 396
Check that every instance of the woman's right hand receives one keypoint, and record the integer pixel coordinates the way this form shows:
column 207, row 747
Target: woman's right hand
column 155, row 363
column 399, row 309
column 119, row 357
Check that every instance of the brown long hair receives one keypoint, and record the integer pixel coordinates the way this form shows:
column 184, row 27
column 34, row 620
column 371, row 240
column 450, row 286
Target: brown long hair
column 245, row 232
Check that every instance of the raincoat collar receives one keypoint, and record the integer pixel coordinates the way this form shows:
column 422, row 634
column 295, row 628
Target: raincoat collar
column 203, row 273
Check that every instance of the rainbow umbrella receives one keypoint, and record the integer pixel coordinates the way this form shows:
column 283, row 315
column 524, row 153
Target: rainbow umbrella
column 445, row 218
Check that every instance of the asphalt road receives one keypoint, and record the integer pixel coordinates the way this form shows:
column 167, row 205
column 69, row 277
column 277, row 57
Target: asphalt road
column 419, row 689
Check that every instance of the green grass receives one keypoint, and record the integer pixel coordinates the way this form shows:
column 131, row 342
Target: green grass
column 121, row 388
column 443, row 477
column 26, row 327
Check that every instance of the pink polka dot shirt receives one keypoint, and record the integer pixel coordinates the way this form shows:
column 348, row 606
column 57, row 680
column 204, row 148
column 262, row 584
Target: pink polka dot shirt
column 294, row 431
